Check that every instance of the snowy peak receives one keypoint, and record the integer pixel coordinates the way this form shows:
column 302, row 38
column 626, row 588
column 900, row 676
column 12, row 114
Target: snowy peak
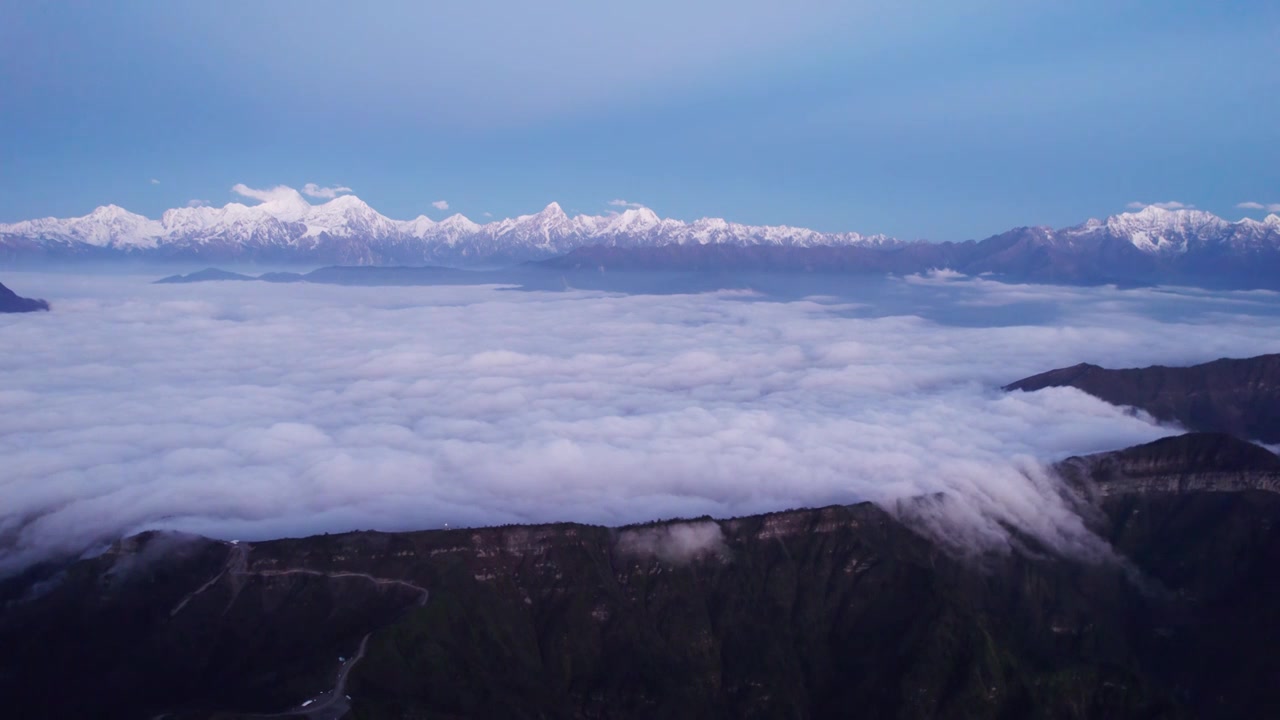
column 282, row 225
column 453, row 229
column 110, row 213
column 284, row 221
column 286, row 204
column 1159, row 219
column 418, row 227
column 344, row 216
column 1162, row 231
column 552, row 210
column 107, row 226
column 550, row 218
column 345, row 202
column 635, row 219
column 458, row 221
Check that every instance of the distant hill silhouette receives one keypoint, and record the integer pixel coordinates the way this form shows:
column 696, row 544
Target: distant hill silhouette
column 11, row 302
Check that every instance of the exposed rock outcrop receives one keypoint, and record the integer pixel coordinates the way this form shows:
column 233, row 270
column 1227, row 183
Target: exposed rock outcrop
column 1209, row 462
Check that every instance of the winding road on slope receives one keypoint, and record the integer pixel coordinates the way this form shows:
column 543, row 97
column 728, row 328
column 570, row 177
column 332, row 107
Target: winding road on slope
column 331, row 704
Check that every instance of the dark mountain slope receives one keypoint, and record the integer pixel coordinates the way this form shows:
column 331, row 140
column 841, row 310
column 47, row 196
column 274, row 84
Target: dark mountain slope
column 809, row 613
column 1199, row 514
column 11, row 302
column 1240, row 397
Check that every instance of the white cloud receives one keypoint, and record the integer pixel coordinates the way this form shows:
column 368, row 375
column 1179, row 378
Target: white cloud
column 626, row 204
column 277, row 193
column 315, row 191
column 1269, row 207
column 644, row 407
column 155, row 181
column 1170, row 205
column 675, row 542
column 440, row 204
column 193, row 203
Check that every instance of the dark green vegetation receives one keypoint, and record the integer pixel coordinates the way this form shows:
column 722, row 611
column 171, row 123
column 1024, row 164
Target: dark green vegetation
column 11, row 302
column 1240, row 397
column 835, row 612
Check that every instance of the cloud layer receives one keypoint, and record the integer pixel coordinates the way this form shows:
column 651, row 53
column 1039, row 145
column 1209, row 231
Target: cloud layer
column 256, row 410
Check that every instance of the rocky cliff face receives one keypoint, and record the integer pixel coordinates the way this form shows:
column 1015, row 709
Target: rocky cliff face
column 809, row 613
column 1196, row 462
column 1239, row 397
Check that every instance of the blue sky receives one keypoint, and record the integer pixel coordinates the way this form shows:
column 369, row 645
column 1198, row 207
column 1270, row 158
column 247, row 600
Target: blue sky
column 942, row 120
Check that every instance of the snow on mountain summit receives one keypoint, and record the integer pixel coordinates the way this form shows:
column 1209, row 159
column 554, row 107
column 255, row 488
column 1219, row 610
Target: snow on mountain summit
column 284, row 226
column 346, row 215
column 1162, row 231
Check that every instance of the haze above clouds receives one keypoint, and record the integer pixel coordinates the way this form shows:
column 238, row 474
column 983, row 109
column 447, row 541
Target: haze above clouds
column 252, row 410
column 916, row 119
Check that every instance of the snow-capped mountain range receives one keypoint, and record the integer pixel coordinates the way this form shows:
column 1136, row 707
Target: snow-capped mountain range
column 1153, row 246
column 346, row 230
column 287, row 229
column 1160, row 231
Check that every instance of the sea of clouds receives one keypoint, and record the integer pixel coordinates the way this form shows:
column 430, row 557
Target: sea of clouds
column 252, row 410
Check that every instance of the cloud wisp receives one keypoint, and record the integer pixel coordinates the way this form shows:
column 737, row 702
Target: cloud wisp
column 328, row 193
column 440, row 204
column 1170, row 205
column 1268, row 207
column 674, row 542
column 275, row 194
column 255, row 410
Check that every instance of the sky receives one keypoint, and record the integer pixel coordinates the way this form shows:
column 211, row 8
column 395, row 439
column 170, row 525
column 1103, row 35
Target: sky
column 936, row 120
column 260, row 410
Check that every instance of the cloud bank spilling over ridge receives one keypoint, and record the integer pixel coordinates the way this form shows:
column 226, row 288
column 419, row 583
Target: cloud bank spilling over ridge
column 256, row 410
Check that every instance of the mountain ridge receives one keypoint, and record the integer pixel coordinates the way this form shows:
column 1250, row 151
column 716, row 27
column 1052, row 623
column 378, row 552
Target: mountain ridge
column 817, row 612
column 286, row 228
column 346, row 229
column 1236, row 396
